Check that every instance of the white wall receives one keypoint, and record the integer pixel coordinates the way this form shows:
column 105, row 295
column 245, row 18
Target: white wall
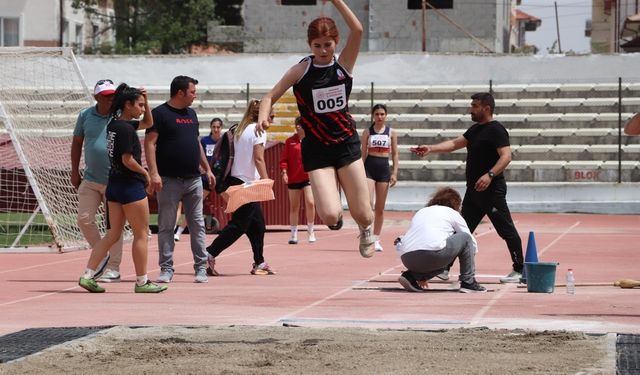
column 383, row 69
column 41, row 20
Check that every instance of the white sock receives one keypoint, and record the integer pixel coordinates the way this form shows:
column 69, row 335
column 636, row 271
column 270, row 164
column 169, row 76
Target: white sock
column 88, row 273
column 310, row 228
column 141, row 280
column 179, row 230
column 294, row 231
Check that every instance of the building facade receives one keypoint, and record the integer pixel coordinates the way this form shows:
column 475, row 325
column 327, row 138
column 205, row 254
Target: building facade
column 53, row 23
column 390, row 26
column 608, row 24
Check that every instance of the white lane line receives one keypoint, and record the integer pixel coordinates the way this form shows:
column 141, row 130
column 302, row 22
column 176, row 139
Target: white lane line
column 559, row 237
column 340, row 292
column 126, row 276
column 38, row 296
column 325, row 299
column 42, row 265
column 480, row 314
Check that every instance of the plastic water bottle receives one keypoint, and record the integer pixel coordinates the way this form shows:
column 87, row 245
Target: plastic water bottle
column 571, row 282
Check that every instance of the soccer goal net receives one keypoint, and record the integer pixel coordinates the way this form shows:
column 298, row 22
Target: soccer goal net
column 41, row 93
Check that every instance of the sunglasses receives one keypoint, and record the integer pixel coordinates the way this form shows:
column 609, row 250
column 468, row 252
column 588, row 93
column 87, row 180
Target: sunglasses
column 102, row 81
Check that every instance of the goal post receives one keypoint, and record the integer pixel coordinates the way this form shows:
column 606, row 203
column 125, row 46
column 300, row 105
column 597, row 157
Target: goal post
column 41, row 93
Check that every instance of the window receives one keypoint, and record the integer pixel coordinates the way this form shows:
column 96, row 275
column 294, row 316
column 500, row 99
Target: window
column 9, row 32
column 78, row 38
column 65, row 33
column 95, row 36
column 438, row 4
column 299, row 2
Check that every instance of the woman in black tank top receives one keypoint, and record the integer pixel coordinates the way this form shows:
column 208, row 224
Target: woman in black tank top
column 331, row 149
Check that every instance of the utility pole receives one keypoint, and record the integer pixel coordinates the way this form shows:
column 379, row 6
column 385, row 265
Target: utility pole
column 424, row 25
column 555, row 3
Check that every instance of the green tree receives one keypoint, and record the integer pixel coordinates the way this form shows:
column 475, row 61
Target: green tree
column 155, row 26
column 178, row 24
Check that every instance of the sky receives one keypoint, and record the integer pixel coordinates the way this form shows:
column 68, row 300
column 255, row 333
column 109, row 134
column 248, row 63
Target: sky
column 572, row 15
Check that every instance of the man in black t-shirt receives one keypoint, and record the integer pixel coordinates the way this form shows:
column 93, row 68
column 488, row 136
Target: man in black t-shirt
column 175, row 156
column 488, row 155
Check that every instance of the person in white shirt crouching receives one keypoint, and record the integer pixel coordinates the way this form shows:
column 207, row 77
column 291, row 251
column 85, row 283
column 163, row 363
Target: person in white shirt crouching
column 438, row 234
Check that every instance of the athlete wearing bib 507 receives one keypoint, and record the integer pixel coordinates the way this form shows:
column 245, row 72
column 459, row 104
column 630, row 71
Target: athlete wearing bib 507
column 322, row 84
column 378, row 142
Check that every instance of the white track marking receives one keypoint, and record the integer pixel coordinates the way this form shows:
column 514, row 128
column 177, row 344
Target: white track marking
column 323, row 300
column 480, row 314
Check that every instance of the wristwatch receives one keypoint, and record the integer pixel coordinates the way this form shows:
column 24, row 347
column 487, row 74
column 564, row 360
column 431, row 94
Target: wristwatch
column 491, row 174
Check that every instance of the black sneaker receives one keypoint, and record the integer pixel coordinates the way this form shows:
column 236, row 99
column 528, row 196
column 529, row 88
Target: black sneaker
column 337, row 225
column 409, row 283
column 214, row 226
column 473, row 287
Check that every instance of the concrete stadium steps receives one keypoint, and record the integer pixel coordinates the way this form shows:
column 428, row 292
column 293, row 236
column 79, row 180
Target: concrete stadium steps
column 524, row 171
column 517, row 120
column 503, row 106
column 532, row 136
column 543, row 152
column 558, row 132
column 574, row 196
column 500, row 91
column 229, row 92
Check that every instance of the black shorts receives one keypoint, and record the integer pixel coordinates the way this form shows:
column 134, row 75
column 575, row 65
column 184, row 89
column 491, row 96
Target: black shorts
column 377, row 168
column 299, row 185
column 317, row 155
column 125, row 192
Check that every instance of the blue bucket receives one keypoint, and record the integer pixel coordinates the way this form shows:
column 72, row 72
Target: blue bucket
column 541, row 276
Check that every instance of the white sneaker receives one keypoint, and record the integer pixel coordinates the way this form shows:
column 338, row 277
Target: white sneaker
column 367, row 239
column 176, row 237
column 293, row 240
column 201, row 276
column 377, row 246
column 165, row 276
column 110, row 276
column 444, row 275
column 312, row 237
column 512, row 277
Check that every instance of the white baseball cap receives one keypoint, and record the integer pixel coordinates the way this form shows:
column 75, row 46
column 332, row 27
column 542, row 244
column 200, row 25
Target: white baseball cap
column 104, row 87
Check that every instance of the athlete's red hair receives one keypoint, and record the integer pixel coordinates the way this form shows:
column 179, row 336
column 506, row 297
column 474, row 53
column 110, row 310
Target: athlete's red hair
column 321, row 27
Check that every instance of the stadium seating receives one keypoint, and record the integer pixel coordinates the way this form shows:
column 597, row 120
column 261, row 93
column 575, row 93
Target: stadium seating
column 560, row 132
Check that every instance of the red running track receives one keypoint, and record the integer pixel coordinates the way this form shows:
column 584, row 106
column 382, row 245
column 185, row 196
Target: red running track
column 328, row 284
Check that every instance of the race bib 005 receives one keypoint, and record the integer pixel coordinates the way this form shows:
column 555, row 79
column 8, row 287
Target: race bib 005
column 329, row 99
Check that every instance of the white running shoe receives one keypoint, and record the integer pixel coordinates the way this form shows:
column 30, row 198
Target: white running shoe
column 512, row 278
column 377, row 245
column 110, row 276
column 312, row 237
